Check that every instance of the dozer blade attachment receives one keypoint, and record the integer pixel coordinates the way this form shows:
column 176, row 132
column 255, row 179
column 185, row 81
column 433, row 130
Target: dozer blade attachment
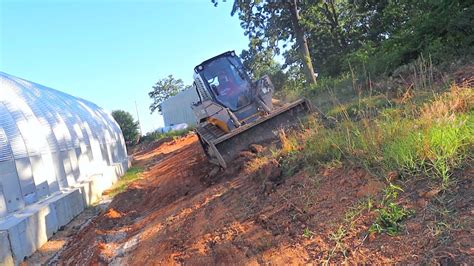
column 223, row 148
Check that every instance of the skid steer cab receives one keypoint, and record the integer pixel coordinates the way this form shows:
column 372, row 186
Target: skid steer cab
column 233, row 111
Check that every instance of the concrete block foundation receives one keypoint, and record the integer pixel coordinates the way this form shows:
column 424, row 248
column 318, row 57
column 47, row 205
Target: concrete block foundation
column 24, row 231
column 6, row 257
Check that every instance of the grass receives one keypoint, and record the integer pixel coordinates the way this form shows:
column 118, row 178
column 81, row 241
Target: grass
column 133, row 173
column 339, row 246
column 408, row 139
column 427, row 136
column 390, row 215
column 423, row 130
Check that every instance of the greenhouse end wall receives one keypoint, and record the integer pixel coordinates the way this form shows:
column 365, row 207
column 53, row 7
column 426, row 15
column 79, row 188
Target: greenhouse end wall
column 58, row 153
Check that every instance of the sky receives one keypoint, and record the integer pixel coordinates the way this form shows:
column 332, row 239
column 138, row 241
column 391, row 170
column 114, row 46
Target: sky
column 112, row 52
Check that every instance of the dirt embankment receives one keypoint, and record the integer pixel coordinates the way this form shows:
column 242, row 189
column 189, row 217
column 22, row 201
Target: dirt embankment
column 185, row 211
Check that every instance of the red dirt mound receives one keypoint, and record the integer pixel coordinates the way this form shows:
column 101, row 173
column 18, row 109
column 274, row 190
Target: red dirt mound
column 175, row 215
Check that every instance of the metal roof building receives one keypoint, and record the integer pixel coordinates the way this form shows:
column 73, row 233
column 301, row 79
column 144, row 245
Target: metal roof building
column 57, row 154
column 177, row 109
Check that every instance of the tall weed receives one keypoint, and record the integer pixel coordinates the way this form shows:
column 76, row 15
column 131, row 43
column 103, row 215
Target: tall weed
column 407, row 140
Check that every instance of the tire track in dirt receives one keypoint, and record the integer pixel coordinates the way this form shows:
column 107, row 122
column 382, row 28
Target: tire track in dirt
column 175, row 215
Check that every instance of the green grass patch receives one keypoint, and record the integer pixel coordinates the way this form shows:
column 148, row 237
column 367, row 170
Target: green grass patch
column 403, row 139
column 133, row 173
column 364, row 106
column 434, row 149
column 390, row 215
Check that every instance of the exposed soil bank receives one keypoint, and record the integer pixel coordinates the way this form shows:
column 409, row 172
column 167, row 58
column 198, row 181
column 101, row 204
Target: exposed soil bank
column 184, row 211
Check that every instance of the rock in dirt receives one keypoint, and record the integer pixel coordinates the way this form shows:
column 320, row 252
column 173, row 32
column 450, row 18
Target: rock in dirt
column 247, row 155
column 271, row 171
column 214, row 171
column 393, row 176
column 255, row 148
column 370, row 189
column 431, row 193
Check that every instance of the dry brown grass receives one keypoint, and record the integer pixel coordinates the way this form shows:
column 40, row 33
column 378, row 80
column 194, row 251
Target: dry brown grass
column 459, row 99
column 289, row 143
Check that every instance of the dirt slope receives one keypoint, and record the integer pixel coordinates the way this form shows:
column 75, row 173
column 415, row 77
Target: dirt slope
column 183, row 212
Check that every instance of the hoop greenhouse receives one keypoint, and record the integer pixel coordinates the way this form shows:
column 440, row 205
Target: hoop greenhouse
column 57, row 154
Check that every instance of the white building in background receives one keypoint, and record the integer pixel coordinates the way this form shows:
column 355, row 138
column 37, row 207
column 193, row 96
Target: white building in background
column 58, row 153
column 177, row 109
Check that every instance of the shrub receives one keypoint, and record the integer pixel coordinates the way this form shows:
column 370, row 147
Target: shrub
column 154, row 136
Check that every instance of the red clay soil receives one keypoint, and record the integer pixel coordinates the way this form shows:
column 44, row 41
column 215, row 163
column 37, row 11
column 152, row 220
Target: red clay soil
column 184, row 211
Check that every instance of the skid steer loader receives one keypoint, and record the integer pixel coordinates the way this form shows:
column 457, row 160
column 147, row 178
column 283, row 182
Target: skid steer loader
column 234, row 112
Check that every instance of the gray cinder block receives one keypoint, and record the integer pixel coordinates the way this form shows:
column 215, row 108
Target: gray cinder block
column 6, row 257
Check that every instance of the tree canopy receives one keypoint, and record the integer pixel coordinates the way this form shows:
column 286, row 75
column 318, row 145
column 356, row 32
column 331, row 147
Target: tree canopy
column 270, row 23
column 128, row 126
column 379, row 35
column 163, row 89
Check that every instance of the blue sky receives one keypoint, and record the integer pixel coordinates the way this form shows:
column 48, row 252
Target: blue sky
column 112, row 52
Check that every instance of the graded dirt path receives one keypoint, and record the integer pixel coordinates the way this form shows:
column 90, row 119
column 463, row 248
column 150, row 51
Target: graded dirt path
column 185, row 212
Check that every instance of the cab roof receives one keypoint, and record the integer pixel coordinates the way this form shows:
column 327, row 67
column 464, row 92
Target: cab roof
column 225, row 54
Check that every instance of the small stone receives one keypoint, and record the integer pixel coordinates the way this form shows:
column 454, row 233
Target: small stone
column 255, row 148
column 271, row 171
column 422, row 202
column 431, row 193
column 392, row 176
column 372, row 236
column 247, row 155
column 327, row 172
column 465, row 243
column 214, row 172
column 372, row 188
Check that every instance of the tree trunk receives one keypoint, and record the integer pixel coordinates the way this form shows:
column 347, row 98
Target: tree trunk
column 302, row 43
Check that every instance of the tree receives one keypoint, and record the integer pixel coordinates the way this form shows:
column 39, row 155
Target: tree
column 302, row 42
column 263, row 63
column 371, row 36
column 267, row 23
column 163, row 89
column 128, row 126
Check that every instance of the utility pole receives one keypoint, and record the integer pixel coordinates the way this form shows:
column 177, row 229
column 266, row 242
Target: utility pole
column 138, row 117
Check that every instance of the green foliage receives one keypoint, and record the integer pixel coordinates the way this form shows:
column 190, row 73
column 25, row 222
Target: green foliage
column 131, row 175
column 448, row 142
column 128, row 126
column 439, row 28
column 154, row 136
column 289, row 164
column 407, row 139
column 163, row 89
column 325, row 148
column 390, row 215
column 262, row 63
column 307, row 233
column 361, row 108
column 437, row 147
column 268, row 24
column 402, row 153
column 377, row 36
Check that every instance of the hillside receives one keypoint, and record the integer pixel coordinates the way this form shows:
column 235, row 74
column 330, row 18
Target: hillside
column 388, row 184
